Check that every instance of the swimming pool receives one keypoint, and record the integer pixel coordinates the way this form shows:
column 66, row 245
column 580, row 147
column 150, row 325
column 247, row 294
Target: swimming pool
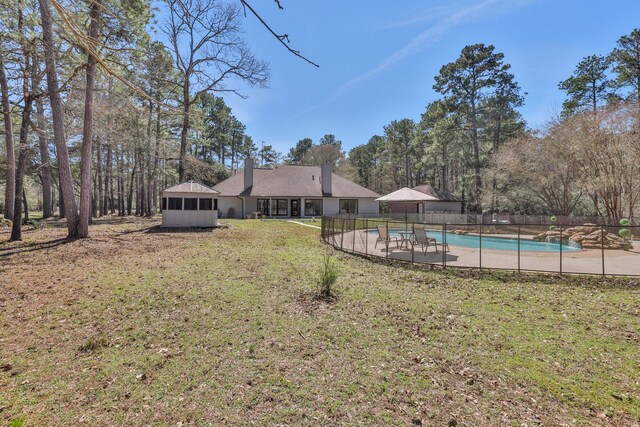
column 489, row 242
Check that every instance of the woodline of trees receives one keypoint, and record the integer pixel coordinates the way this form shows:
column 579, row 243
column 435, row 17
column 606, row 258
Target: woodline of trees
column 474, row 143
column 329, row 149
column 583, row 164
column 103, row 114
column 103, row 107
column 451, row 144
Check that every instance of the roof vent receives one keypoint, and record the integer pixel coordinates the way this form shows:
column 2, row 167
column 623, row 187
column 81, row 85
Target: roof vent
column 313, row 177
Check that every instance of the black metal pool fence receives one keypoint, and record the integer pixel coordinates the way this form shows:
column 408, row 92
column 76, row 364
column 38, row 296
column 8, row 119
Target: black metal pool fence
column 575, row 249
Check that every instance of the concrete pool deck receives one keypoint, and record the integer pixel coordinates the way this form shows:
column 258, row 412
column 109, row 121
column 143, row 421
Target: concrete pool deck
column 586, row 261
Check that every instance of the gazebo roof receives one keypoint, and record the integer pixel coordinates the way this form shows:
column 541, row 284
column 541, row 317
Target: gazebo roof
column 406, row 194
column 191, row 187
column 442, row 195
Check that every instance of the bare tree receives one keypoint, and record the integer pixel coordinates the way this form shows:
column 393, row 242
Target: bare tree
column 582, row 155
column 204, row 41
column 543, row 169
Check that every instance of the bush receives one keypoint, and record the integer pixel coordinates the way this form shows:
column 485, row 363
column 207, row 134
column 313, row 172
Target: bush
column 328, row 277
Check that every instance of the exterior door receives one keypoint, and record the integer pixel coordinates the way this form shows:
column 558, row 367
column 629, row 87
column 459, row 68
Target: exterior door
column 295, row 207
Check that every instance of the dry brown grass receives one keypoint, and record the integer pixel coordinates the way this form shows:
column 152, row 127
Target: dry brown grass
column 141, row 327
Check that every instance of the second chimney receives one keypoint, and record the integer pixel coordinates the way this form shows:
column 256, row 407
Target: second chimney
column 248, row 172
column 325, row 178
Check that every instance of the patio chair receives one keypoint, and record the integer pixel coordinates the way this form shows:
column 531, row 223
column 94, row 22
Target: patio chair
column 383, row 236
column 422, row 239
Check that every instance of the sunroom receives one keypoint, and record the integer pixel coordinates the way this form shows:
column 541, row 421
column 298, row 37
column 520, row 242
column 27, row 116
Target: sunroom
column 190, row 204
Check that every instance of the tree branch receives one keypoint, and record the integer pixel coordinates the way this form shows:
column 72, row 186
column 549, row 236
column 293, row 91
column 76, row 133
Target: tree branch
column 280, row 38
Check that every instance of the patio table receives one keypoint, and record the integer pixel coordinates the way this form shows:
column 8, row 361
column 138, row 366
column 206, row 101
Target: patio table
column 406, row 237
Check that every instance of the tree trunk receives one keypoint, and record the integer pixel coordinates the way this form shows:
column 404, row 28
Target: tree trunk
column 16, row 231
column 108, row 183
column 150, row 170
column 132, row 184
column 139, row 184
column 233, row 152
column 120, row 184
column 66, row 180
column 87, row 132
column 444, row 166
column 10, row 189
column 45, row 166
column 25, row 205
column 94, row 200
column 494, row 183
column 152, row 181
column 594, row 94
column 476, row 153
column 185, row 129
column 61, row 202
column 156, row 160
column 406, row 162
column 99, row 179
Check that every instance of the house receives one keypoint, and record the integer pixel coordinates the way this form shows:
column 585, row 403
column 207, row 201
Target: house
column 189, row 205
column 292, row 191
column 446, row 202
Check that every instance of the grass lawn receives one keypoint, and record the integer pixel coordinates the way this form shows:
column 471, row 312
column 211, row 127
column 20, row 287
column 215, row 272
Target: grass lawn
column 136, row 326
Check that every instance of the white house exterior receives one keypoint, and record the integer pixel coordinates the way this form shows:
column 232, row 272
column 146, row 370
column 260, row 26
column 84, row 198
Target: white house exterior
column 293, row 192
column 189, row 205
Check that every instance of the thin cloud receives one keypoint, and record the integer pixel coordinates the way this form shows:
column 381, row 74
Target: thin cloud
column 427, row 37
column 426, row 16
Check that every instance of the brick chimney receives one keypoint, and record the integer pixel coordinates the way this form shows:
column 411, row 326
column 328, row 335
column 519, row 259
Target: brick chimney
column 248, row 172
column 325, row 178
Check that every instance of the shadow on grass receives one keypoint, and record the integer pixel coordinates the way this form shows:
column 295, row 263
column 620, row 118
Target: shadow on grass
column 32, row 247
column 119, row 220
column 158, row 229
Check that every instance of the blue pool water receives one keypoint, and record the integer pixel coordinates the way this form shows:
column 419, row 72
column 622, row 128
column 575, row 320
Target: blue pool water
column 500, row 243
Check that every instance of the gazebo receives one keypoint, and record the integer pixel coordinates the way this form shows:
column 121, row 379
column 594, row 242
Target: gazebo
column 190, row 205
column 407, row 196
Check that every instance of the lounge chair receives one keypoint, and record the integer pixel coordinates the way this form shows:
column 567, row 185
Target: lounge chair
column 383, row 236
column 422, row 239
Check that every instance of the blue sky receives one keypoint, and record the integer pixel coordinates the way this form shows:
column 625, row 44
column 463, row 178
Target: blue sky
column 378, row 58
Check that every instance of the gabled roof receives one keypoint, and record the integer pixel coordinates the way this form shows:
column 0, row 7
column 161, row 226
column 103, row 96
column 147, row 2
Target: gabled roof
column 406, row 194
column 443, row 196
column 291, row 181
column 190, row 187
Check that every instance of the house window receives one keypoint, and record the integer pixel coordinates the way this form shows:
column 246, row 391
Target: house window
column 313, row 207
column 175, row 203
column 215, row 204
column 263, row 206
column 206, row 204
column 348, row 206
column 190, row 204
column 279, row 207
column 164, row 203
